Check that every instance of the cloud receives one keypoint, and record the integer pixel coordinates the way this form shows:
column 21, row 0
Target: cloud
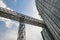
column 32, row 9
column 7, row 21
column 33, row 33
column 10, row 34
column 2, row 4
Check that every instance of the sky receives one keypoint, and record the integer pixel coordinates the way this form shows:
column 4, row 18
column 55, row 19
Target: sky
column 9, row 28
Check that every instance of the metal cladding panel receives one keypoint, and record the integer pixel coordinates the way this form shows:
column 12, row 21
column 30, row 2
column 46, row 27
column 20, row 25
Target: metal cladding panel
column 50, row 12
column 21, row 32
column 46, row 35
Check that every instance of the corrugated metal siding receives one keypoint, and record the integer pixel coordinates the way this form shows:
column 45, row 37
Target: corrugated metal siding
column 46, row 35
column 50, row 12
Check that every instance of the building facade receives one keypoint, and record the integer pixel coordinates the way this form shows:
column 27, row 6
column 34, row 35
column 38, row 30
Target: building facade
column 50, row 12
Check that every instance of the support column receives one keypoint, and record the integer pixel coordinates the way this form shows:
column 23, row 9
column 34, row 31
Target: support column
column 21, row 32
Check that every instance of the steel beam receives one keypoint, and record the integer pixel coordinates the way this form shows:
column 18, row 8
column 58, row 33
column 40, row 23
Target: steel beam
column 21, row 31
column 17, row 16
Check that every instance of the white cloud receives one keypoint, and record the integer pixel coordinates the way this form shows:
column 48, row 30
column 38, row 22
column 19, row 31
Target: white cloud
column 2, row 4
column 33, row 33
column 33, row 10
column 8, row 24
column 7, row 21
column 11, row 35
column 12, row 32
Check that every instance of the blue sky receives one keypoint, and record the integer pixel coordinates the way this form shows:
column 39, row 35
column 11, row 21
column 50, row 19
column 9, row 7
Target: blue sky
column 8, row 29
column 26, row 7
column 2, row 26
column 18, row 5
